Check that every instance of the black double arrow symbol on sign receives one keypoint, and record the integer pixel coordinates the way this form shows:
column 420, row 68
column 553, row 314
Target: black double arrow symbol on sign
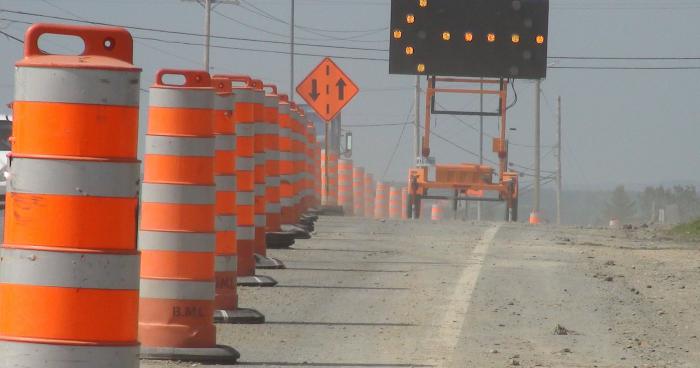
column 314, row 94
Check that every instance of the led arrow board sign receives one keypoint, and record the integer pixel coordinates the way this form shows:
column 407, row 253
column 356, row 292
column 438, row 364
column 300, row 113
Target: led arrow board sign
column 469, row 38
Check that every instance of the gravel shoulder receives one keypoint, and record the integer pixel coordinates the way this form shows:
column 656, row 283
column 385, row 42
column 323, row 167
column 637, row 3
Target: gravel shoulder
column 366, row 293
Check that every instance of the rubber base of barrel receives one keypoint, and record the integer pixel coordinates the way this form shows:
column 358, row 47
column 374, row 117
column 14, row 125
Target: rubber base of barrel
column 220, row 354
column 279, row 239
column 268, row 263
column 256, row 281
column 239, row 316
column 298, row 231
column 309, row 217
column 332, row 211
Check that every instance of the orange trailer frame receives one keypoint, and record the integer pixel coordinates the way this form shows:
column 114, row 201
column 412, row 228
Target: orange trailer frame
column 467, row 178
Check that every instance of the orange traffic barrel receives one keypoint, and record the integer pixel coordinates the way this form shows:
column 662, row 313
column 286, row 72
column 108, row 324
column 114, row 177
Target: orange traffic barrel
column 437, row 212
column 317, row 174
column 345, row 186
column 273, row 210
column 333, row 176
column 247, row 106
column 534, row 218
column 279, row 238
column 370, row 192
column 404, row 203
column 225, row 264
column 299, row 159
column 381, row 201
column 68, row 263
column 329, row 179
column 358, row 191
column 177, row 236
column 395, row 203
column 309, row 191
column 286, row 109
column 260, row 173
column 288, row 121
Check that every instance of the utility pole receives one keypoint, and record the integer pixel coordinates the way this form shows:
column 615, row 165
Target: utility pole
column 481, row 140
column 559, row 160
column 416, row 127
column 207, row 33
column 534, row 217
column 208, row 5
column 291, row 54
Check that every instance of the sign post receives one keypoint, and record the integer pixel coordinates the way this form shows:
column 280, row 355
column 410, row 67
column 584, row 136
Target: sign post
column 327, row 89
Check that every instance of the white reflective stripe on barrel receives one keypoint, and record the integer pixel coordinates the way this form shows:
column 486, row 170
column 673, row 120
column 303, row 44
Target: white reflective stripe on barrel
column 69, row 270
column 74, row 177
column 259, row 158
column 260, row 220
column 226, row 264
column 225, row 142
column 244, row 95
column 223, row 102
column 179, row 146
column 273, row 181
column 178, row 194
column 245, row 198
column 245, row 129
column 181, row 98
column 225, row 183
column 246, row 232
column 261, row 127
column 79, row 86
column 245, row 164
column 259, row 189
column 177, row 241
column 25, row 354
column 177, row 289
column 225, row 222
column 272, row 207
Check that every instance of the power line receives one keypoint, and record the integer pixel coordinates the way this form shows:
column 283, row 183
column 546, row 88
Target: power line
column 371, row 49
column 398, row 142
column 182, row 33
column 188, row 43
column 11, row 37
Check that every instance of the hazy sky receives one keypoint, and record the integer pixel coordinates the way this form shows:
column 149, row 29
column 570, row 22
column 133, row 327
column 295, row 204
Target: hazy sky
column 621, row 126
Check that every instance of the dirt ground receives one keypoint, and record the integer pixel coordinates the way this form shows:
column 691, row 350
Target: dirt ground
column 366, row 293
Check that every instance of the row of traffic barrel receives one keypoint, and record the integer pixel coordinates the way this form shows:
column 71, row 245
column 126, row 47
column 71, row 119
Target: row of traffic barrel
column 356, row 192
column 102, row 263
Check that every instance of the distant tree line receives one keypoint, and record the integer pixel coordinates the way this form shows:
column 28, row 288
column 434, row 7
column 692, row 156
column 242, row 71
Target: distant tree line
column 644, row 207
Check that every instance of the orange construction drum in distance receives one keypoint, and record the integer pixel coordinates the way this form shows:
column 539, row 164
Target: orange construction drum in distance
column 345, row 200
column 370, row 193
column 177, row 236
column 358, row 191
column 395, row 203
column 381, row 201
column 68, row 263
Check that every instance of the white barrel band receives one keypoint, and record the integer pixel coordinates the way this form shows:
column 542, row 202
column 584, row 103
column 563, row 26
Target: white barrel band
column 69, row 270
column 74, row 177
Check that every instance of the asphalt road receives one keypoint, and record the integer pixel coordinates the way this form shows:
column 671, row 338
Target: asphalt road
column 366, row 293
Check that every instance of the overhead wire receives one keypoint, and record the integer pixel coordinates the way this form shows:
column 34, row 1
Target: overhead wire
column 398, row 142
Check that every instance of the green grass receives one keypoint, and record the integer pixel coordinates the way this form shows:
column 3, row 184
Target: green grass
column 689, row 231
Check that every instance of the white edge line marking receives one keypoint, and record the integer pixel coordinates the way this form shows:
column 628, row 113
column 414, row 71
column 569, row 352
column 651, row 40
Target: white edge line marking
column 452, row 323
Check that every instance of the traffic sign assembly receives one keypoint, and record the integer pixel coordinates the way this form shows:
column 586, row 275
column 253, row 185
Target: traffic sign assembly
column 327, row 89
column 469, row 38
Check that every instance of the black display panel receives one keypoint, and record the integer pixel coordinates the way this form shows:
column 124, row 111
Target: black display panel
column 469, row 38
